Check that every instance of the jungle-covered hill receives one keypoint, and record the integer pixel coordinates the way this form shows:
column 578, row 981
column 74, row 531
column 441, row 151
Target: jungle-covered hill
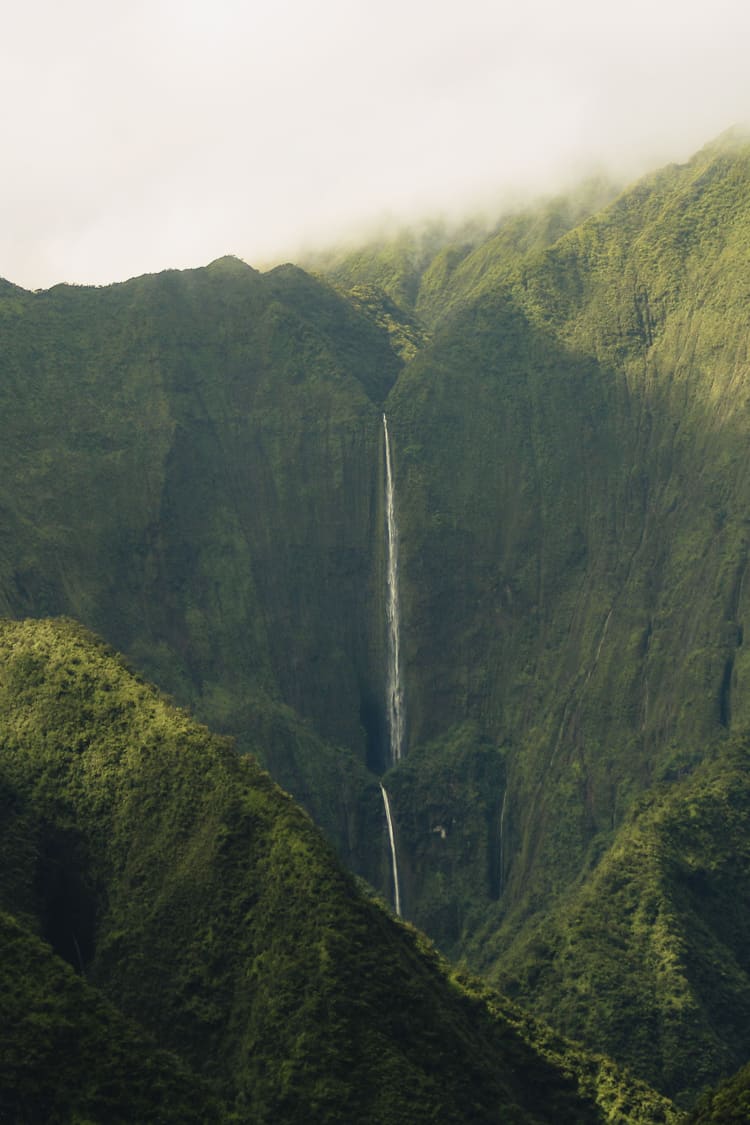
column 192, row 464
column 180, row 944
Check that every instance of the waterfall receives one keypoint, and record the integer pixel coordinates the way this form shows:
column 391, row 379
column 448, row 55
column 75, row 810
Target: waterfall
column 395, row 688
column 502, row 849
column 394, row 861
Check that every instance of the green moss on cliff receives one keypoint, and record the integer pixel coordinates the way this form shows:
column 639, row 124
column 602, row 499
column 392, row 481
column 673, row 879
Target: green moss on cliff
column 193, row 465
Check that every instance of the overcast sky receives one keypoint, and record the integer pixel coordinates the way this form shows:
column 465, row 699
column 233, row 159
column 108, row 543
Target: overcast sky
column 159, row 133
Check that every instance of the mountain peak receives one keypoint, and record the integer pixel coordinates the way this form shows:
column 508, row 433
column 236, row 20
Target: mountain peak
column 230, row 263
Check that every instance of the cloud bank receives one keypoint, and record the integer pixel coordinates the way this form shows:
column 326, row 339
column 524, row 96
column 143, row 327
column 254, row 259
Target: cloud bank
column 150, row 135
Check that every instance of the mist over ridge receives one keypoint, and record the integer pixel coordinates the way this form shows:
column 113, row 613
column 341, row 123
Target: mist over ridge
column 587, row 180
column 264, row 133
column 210, row 468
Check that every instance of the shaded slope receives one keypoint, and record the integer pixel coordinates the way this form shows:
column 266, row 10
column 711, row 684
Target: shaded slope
column 570, row 462
column 67, row 1055
column 189, row 464
column 219, row 920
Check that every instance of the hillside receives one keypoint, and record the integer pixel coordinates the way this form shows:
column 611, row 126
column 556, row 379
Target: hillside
column 728, row 1105
column 189, row 467
column 67, row 1055
column 584, row 605
column 427, row 270
column 192, row 464
column 202, row 911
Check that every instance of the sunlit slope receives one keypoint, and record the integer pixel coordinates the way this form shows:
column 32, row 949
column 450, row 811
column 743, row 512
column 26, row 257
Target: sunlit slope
column 197, row 899
column 648, row 955
column 431, row 269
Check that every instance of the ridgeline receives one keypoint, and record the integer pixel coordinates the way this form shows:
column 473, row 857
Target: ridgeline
column 192, row 464
column 180, row 944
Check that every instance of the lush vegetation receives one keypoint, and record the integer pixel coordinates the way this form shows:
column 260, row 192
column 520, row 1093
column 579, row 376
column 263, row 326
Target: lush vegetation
column 192, row 465
column 584, row 604
column 648, row 956
column 66, row 1055
column 195, row 899
column 189, row 465
column 727, row 1105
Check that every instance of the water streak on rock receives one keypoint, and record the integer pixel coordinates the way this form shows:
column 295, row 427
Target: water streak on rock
column 394, row 860
column 395, row 690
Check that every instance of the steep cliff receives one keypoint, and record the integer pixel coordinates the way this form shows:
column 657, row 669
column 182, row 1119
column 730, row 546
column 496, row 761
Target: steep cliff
column 193, row 465
column 189, row 464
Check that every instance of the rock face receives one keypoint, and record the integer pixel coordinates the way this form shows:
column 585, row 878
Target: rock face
column 193, row 465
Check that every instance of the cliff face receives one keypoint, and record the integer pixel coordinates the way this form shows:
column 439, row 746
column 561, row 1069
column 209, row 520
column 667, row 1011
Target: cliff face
column 575, row 495
column 574, row 498
column 192, row 464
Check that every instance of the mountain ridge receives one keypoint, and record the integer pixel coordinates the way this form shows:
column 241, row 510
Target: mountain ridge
column 199, row 902
column 192, row 464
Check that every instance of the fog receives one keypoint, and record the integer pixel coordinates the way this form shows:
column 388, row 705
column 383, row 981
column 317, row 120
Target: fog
column 164, row 134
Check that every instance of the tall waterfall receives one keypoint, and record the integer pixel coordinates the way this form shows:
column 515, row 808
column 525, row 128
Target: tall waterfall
column 394, row 685
column 394, row 861
column 502, row 847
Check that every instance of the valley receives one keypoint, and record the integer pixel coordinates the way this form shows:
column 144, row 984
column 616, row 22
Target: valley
column 450, row 535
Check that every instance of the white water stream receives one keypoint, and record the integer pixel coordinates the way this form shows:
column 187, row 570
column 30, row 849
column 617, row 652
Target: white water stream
column 502, row 847
column 394, row 861
column 395, row 688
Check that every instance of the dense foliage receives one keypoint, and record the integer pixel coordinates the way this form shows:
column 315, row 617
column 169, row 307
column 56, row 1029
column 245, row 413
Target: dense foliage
column 195, row 898
column 66, row 1055
column 727, row 1105
column 192, row 464
column 649, row 955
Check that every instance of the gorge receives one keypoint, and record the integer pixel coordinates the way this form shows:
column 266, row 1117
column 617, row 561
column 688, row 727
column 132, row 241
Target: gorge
column 504, row 467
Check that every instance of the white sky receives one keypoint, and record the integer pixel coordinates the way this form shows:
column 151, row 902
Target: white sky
column 164, row 133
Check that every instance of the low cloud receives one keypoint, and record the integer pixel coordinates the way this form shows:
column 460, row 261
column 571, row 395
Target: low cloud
column 174, row 133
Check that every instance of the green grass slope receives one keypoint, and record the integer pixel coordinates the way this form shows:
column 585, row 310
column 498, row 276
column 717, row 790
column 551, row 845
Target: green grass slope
column 203, row 904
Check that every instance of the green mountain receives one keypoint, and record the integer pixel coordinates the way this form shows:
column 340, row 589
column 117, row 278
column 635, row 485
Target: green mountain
column 193, row 465
column 188, row 466
column 427, row 270
column 727, row 1105
column 590, row 615
column 203, row 912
